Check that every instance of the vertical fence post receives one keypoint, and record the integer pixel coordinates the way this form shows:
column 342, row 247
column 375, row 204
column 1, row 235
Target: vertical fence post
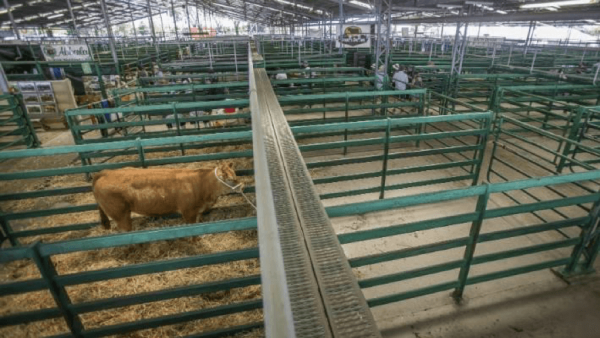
column 575, row 129
column 472, row 243
column 138, row 145
column 587, row 235
column 7, row 230
column 386, row 149
column 177, row 126
column 59, row 293
column 593, row 247
column 346, row 130
column 479, row 154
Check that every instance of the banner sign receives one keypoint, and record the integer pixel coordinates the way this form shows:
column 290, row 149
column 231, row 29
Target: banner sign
column 356, row 36
column 79, row 52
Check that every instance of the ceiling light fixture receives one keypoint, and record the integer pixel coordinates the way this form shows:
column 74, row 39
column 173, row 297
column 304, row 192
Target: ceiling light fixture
column 55, row 16
column 362, row 4
column 557, row 3
column 501, row 12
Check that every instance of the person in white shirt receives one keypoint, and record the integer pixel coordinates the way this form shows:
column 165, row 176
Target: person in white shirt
column 400, row 78
column 172, row 116
column 379, row 76
column 280, row 75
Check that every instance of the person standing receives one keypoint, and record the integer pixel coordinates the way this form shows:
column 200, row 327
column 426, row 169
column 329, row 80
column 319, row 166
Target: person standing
column 400, row 78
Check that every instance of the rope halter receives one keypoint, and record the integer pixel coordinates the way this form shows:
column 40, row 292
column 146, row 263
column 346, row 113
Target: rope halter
column 234, row 188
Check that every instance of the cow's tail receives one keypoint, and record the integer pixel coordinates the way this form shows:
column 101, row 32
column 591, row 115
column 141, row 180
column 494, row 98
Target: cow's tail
column 104, row 218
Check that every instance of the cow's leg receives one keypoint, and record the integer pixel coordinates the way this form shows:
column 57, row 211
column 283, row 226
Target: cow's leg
column 124, row 221
column 103, row 218
column 191, row 216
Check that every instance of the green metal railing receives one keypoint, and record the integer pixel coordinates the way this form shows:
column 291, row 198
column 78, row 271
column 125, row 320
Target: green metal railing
column 57, row 284
column 15, row 126
column 584, row 247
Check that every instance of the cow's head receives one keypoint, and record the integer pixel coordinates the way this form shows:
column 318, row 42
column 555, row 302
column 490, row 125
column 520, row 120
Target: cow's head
column 226, row 173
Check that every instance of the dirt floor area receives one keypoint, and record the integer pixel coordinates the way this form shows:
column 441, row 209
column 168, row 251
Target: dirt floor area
column 228, row 207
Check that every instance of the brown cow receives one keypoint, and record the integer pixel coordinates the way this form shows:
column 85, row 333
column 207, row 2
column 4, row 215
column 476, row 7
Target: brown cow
column 157, row 192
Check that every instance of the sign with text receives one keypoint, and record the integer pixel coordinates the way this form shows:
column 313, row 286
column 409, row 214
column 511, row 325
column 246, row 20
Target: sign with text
column 71, row 52
column 356, row 36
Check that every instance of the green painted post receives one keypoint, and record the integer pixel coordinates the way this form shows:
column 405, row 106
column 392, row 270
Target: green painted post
column 7, row 230
column 476, row 167
column 59, row 293
column 587, row 235
column 138, row 144
column 592, row 249
column 178, row 127
column 386, row 149
column 346, row 130
column 574, row 131
column 472, row 243
column 101, row 82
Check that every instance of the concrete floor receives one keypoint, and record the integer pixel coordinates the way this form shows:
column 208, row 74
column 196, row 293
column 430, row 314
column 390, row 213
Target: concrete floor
column 537, row 304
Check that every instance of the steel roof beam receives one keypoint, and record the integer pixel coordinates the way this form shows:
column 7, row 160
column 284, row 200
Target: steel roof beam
column 574, row 15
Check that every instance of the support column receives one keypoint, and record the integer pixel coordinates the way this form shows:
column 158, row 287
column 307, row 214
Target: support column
column 529, row 36
column 152, row 30
column 12, row 20
column 187, row 13
column 75, row 29
column 174, row 21
column 162, row 27
column 111, row 37
column 341, row 26
column 458, row 50
column 134, row 31
column 384, row 15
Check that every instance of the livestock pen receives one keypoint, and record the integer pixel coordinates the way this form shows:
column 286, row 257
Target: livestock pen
column 425, row 193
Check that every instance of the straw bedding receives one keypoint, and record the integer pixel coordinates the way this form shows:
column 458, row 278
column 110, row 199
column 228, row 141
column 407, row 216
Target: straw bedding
column 228, row 207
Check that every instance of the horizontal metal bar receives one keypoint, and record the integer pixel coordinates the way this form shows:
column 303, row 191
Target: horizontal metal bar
column 155, row 296
column 173, row 319
column 124, row 144
column 156, row 266
column 408, row 252
column 405, row 201
column 15, row 254
column 412, row 294
column 30, row 316
column 50, row 212
column 532, row 229
column 54, row 230
column 138, row 237
column 22, row 287
column 393, row 230
column 44, row 193
column 525, row 251
column 525, row 208
column 517, row 271
column 397, row 277
column 230, row 331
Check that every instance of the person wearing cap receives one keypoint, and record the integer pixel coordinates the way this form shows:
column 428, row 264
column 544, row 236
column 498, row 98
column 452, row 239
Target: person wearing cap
column 400, row 78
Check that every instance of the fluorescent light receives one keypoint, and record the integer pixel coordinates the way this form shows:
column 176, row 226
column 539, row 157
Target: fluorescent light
column 55, row 16
column 557, row 3
column 501, row 12
column 361, row 4
column 449, row 6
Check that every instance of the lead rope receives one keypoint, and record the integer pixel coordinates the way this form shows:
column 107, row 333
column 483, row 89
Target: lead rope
column 235, row 189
